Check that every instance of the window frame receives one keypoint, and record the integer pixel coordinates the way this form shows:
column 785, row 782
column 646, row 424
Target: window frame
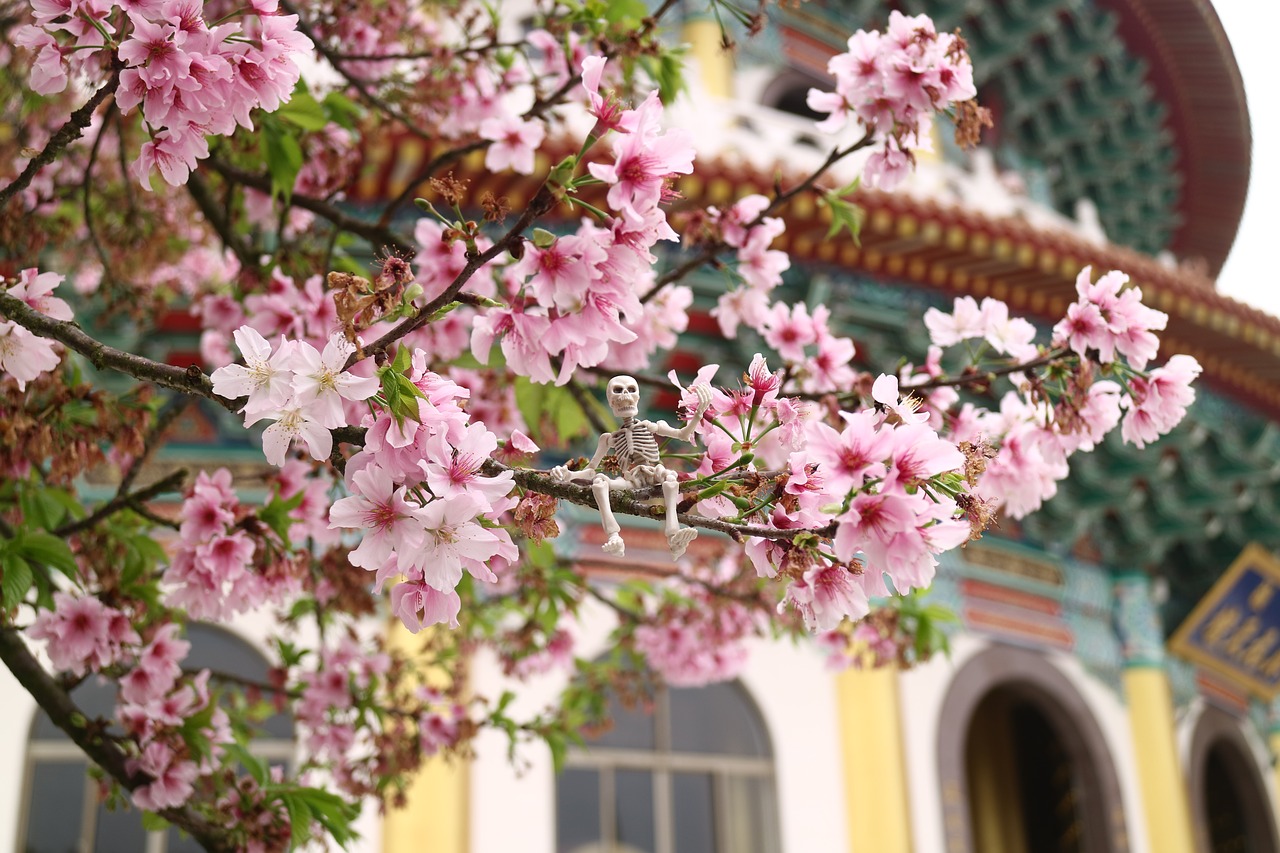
column 662, row 761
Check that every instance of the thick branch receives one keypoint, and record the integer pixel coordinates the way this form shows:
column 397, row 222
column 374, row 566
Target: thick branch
column 103, row 751
column 628, row 502
column 67, row 134
column 190, row 380
column 636, row 502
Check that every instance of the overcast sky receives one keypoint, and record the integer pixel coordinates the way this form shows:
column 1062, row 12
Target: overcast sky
column 1252, row 271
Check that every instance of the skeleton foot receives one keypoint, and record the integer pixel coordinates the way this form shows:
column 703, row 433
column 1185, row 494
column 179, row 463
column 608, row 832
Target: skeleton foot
column 615, row 546
column 680, row 540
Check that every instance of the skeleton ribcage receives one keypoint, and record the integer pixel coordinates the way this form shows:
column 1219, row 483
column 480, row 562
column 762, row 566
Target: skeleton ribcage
column 634, row 445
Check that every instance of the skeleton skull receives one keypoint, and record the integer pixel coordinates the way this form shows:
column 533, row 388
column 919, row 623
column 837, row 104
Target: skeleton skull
column 623, row 394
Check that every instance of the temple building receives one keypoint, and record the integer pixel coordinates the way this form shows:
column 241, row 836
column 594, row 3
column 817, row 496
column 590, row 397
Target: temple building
column 1063, row 719
column 1110, row 678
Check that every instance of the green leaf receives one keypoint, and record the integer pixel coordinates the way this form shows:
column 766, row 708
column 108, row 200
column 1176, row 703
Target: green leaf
column 16, row 578
column 304, row 111
column 256, row 767
column 556, row 742
column 40, row 507
column 45, row 548
column 667, row 70
column 299, row 820
column 844, row 215
column 553, row 406
column 630, row 12
column 276, row 514
column 284, row 158
column 342, row 110
column 403, row 360
column 152, row 822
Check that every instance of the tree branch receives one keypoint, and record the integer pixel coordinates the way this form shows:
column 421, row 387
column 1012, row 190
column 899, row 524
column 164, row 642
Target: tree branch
column 199, row 192
column 105, row 752
column 361, row 86
column 169, row 413
column 190, row 380
column 780, row 198
column 541, row 202
column 981, row 377
column 171, row 483
column 72, row 130
column 375, row 234
column 636, row 502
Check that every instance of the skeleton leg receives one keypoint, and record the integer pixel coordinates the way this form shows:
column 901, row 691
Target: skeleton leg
column 600, row 489
column 678, row 538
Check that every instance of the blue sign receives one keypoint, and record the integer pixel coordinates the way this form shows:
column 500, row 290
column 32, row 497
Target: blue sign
column 1235, row 629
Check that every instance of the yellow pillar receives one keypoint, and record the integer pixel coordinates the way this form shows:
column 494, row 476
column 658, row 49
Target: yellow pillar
column 1274, row 740
column 1164, row 789
column 435, row 815
column 715, row 64
column 875, row 779
column 1146, row 688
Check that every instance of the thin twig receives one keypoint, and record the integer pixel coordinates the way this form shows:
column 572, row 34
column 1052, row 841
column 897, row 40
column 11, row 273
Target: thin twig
column 86, row 186
column 361, row 86
column 539, row 107
column 132, row 500
column 203, row 197
column 780, row 198
column 377, row 235
column 983, row 377
column 72, row 130
column 168, row 413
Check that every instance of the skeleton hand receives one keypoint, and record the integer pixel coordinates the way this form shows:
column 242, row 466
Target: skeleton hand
column 562, row 475
column 704, row 401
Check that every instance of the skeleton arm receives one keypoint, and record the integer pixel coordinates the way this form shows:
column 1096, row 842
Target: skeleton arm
column 562, row 474
column 686, row 432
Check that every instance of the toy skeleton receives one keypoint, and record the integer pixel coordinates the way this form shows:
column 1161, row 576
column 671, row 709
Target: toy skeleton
column 635, row 444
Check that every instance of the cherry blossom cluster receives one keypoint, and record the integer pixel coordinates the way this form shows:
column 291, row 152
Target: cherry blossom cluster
column 83, row 636
column 988, row 321
column 878, row 494
column 218, row 569
column 1109, row 319
column 190, row 79
column 156, row 707
column 425, row 510
column 303, row 313
column 576, row 298
column 297, row 388
column 328, row 714
column 745, row 228
column 696, row 637
column 24, row 355
column 1035, row 431
column 891, row 83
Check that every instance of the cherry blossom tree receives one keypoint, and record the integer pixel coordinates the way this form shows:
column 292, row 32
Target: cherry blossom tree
column 173, row 156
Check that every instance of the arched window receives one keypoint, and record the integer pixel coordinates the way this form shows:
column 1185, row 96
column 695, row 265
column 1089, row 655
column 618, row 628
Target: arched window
column 62, row 811
column 694, row 776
